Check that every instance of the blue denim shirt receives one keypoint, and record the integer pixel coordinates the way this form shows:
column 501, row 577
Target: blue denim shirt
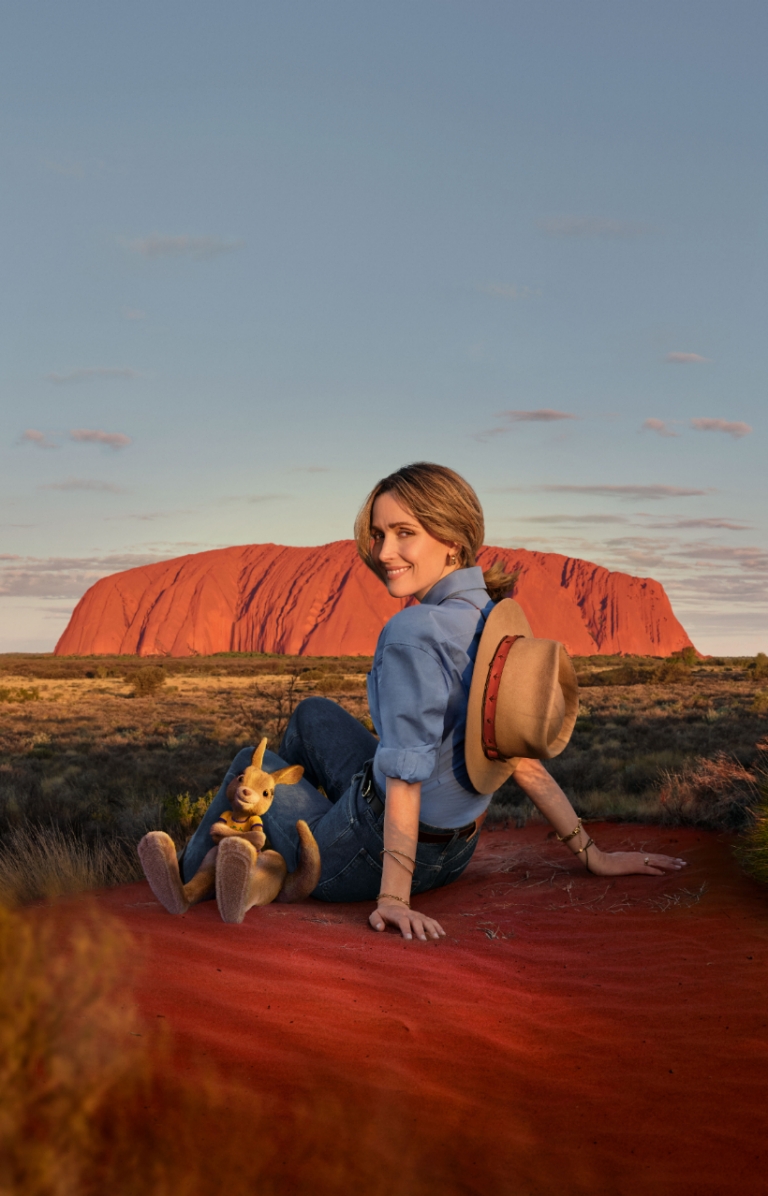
column 418, row 690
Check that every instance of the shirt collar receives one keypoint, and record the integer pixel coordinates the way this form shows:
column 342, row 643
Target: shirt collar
column 458, row 582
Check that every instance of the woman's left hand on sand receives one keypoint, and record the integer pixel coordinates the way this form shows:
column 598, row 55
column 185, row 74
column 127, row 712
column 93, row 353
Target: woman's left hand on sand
column 629, row 863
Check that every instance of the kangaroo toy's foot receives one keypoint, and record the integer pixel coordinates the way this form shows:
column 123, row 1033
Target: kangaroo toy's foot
column 246, row 877
column 157, row 853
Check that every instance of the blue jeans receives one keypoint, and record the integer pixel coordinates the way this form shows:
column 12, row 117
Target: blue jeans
column 334, row 748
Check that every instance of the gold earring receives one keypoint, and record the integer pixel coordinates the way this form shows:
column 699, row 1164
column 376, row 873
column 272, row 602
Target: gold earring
column 451, row 560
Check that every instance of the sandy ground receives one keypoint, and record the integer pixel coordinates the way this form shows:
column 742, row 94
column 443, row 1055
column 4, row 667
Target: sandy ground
column 587, row 1036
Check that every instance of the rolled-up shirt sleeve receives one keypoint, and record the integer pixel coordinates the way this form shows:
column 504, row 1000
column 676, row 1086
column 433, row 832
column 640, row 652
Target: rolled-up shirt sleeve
column 413, row 696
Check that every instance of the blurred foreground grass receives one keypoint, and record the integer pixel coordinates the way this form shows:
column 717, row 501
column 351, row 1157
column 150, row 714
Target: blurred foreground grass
column 93, row 1101
column 96, row 751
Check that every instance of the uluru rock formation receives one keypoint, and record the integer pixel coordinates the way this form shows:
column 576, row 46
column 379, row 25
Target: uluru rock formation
column 325, row 602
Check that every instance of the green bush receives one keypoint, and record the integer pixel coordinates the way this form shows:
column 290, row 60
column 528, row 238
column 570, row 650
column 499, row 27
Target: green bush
column 760, row 666
column 19, row 695
column 147, row 681
column 188, row 812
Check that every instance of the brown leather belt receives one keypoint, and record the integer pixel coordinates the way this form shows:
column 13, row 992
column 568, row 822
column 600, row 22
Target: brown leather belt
column 371, row 795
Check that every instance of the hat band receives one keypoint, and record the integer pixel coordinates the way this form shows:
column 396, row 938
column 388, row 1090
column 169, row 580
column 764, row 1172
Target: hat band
column 491, row 694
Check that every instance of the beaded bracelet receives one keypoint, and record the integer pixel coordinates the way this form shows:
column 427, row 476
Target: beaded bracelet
column 394, row 897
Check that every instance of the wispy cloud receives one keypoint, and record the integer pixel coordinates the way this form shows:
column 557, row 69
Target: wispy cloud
column 63, row 577
column 591, row 226
column 688, row 359
column 543, row 415
column 85, row 374
column 84, row 484
column 733, row 428
column 660, row 426
column 507, row 290
column 156, row 245
column 113, row 440
column 568, row 520
column 39, row 439
column 672, row 524
column 133, row 313
column 629, row 493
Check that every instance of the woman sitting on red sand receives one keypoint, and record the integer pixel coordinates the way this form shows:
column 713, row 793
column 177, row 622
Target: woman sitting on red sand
column 399, row 815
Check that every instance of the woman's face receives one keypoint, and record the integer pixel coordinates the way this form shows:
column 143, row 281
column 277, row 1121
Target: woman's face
column 412, row 560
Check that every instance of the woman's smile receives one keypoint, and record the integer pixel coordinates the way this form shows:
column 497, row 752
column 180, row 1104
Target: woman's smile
column 410, row 558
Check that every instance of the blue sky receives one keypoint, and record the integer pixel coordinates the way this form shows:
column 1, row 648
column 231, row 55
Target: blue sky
column 255, row 255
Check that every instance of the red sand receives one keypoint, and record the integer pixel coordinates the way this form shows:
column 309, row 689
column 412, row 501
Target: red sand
column 325, row 602
column 602, row 1037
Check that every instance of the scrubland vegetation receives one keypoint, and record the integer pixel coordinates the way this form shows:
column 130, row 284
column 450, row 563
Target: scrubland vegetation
column 95, row 751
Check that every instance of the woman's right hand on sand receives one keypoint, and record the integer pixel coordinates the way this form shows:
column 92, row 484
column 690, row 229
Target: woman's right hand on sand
column 409, row 922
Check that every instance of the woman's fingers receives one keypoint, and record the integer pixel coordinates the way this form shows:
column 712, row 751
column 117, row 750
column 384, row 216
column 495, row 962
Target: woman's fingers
column 410, row 923
column 663, row 863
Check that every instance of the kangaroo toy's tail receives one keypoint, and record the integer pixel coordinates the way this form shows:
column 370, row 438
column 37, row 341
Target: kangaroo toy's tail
column 299, row 884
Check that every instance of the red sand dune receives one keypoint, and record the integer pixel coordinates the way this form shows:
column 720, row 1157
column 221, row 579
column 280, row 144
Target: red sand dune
column 588, row 1036
column 325, row 602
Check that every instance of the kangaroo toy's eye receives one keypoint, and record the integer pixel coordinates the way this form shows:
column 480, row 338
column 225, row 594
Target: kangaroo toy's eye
column 241, row 778
column 265, row 793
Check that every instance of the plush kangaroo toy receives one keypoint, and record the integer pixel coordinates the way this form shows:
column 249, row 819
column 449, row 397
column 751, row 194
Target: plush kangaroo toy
column 242, row 873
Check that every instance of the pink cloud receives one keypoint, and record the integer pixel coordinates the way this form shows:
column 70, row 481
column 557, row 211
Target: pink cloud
column 32, row 436
column 687, row 358
column 735, row 428
column 115, row 440
column 660, row 426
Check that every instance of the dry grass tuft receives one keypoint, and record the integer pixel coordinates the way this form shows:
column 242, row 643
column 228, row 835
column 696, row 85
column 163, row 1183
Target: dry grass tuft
column 40, row 862
column 91, row 1102
column 718, row 794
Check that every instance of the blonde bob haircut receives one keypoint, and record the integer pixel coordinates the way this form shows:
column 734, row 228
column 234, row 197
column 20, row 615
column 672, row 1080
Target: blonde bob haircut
column 446, row 506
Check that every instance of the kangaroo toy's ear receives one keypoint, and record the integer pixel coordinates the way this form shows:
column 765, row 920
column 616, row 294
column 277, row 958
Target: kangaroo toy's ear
column 288, row 776
column 257, row 760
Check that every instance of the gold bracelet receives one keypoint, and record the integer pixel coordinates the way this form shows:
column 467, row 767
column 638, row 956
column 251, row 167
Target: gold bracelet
column 565, row 838
column 395, row 853
column 394, row 897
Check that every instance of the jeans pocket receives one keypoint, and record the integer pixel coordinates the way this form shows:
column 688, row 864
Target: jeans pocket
column 358, row 880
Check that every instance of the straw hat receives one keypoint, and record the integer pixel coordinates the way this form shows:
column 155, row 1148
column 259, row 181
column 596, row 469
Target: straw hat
column 523, row 699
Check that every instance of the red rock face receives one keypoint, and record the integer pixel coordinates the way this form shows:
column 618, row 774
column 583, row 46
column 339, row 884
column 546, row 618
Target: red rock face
column 325, row 602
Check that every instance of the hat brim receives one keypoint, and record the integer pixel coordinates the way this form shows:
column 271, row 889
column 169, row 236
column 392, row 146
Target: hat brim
column 508, row 619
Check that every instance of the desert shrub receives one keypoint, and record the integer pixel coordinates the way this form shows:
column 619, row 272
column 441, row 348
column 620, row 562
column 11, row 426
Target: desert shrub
column 188, row 812
column 760, row 666
column 623, row 674
column 91, row 1102
column 40, row 862
column 673, row 671
column 19, row 695
column 147, row 681
column 718, row 794
column 760, row 702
